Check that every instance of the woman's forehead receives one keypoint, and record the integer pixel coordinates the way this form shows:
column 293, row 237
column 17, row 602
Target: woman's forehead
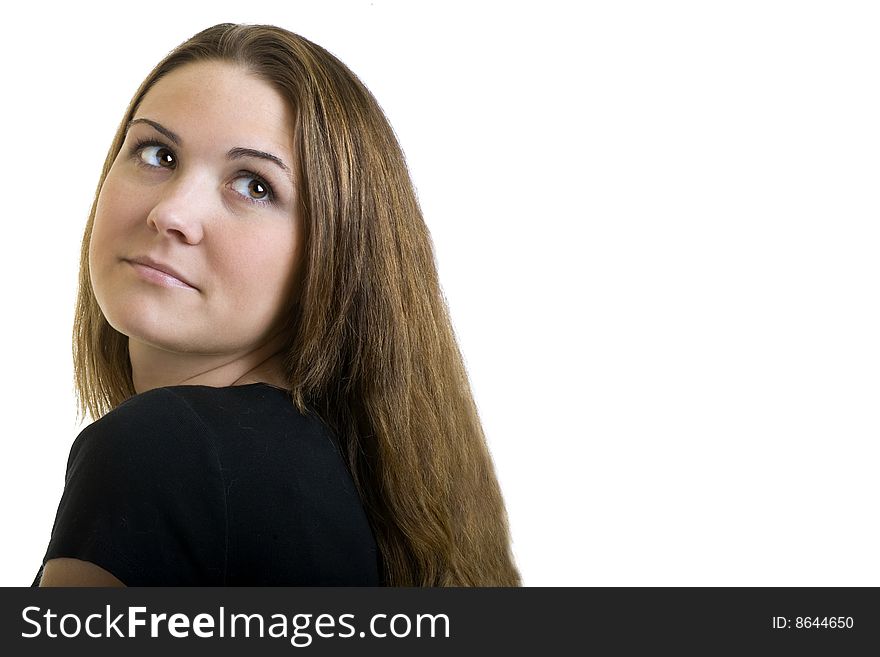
column 211, row 100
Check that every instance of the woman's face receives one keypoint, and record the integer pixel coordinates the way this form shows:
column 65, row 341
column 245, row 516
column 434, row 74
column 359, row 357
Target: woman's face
column 204, row 186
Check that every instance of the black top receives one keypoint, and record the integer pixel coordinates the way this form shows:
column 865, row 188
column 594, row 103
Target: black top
column 202, row 486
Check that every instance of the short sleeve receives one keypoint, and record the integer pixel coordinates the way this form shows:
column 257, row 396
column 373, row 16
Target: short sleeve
column 144, row 496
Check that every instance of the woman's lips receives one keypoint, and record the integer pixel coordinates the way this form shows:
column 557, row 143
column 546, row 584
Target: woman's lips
column 159, row 277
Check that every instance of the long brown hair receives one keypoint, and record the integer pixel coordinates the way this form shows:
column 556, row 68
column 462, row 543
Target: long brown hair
column 371, row 350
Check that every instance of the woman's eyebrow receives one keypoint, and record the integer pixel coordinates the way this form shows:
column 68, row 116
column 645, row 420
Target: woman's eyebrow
column 237, row 152
column 232, row 153
column 158, row 126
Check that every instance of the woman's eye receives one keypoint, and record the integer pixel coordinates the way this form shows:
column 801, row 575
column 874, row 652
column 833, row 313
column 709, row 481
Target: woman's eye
column 157, row 156
column 252, row 188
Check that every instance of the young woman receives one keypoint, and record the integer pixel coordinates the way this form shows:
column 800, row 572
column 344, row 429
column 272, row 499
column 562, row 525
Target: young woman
column 261, row 334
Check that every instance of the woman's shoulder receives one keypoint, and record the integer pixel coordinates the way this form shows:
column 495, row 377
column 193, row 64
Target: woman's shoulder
column 140, row 436
column 149, row 419
column 232, row 425
column 216, row 410
column 254, row 413
column 244, row 465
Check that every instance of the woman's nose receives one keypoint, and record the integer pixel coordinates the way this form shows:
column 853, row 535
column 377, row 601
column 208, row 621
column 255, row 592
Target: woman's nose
column 181, row 208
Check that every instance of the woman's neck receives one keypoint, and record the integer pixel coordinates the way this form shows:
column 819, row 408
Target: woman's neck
column 153, row 367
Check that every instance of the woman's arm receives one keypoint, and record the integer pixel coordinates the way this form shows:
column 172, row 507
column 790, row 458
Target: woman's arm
column 74, row 572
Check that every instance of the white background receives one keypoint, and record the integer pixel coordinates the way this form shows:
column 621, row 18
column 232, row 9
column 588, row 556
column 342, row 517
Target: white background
column 656, row 225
